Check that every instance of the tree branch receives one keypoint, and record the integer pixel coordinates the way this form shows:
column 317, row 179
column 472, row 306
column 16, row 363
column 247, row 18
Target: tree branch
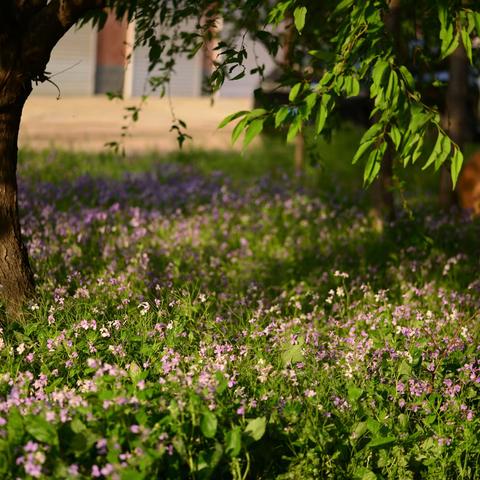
column 47, row 27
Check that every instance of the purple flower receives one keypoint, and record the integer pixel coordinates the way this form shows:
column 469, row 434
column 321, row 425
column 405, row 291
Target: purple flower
column 30, row 447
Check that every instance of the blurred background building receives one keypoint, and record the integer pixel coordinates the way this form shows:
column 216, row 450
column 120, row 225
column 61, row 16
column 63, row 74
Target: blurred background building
column 88, row 62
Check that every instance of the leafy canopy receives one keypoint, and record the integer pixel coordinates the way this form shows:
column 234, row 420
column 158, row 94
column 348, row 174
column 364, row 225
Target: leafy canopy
column 331, row 50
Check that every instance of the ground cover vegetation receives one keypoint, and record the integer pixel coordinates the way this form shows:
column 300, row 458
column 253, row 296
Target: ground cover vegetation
column 191, row 321
column 330, row 51
column 195, row 322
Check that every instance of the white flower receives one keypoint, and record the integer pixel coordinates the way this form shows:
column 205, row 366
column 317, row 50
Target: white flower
column 144, row 308
column 21, row 348
column 465, row 333
column 104, row 332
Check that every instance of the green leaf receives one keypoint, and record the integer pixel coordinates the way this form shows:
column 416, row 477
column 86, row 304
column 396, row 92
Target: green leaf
column 447, row 31
column 299, row 15
column 293, row 354
column 378, row 71
column 396, row 136
column 446, row 149
column 403, row 421
column 232, row 117
column 407, row 76
column 364, row 473
column 343, row 5
column 255, row 113
column 81, row 442
column 418, row 149
column 15, row 428
column 253, row 130
column 351, row 86
column 135, row 372
column 208, row 424
column 323, row 112
column 358, row 431
column 294, row 128
column 381, row 442
column 222, row 384
column 429, row 419
column 476, row 16
column 372, row 132
column 281, row 115
column 456, row 165
column 255, row 428
column 435, row 152
column 467, row 43
column 362, row 149
column 404, row 368
column 77, row 425
column 239, row 127
column 373, row 426
column 295, row 91
column 41, row 430
column 451, row 48
column 354, row 393
column 372, row 167
column 179, row 445
column 233, row 442
column 392, row 86
column 310, row 103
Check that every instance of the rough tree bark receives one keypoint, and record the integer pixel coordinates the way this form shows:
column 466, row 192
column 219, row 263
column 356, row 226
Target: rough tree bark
column 29, row 29
column 455, row 119
column 16, row 277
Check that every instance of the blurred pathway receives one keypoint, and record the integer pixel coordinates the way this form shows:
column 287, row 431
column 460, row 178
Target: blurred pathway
column 87, row 123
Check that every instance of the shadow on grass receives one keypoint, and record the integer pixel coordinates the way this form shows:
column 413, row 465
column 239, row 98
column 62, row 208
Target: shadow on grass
column 201, row 183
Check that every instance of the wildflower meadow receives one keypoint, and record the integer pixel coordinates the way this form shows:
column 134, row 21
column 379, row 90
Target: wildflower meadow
column 207, row 324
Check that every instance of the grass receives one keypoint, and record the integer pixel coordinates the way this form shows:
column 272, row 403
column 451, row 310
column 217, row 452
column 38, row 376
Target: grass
column 206, row 315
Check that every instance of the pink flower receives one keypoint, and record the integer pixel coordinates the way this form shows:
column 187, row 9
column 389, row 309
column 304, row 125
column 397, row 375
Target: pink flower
column 31, row 447
column 107, row 469
column 135, row 428
column 73, row 470
column 33, row 469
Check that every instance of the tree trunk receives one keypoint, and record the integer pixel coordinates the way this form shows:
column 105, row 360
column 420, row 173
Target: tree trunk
column 16, row 277
column 299, row 155
column 387, row 199
column 385, row 181
column 455, row 119
column 28, row 33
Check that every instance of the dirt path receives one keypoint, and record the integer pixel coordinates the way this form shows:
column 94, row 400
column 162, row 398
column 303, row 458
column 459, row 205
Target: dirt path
column 87, row 123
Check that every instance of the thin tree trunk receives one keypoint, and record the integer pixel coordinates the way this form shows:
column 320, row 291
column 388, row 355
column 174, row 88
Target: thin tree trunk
column 289, row 65
column 384, row 185
column 299, row 155
column 387, row 199
column 455, row 119
column 16, row 277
